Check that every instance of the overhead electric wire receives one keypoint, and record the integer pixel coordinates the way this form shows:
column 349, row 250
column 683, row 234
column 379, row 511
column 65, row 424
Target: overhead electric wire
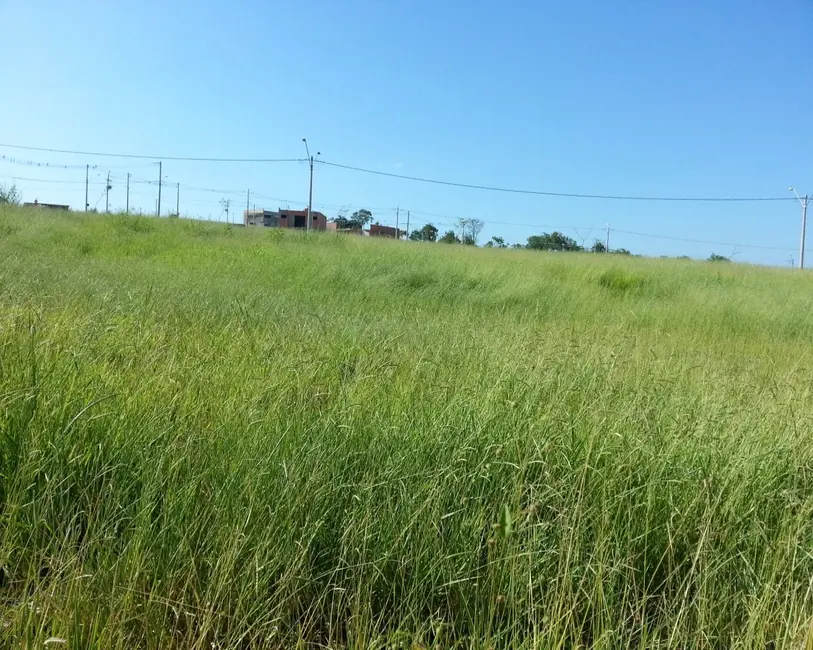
column 156, row 158
column 571, row 195
column 46, row 180
column 69, row 166
column 700, row 241
column 490, row 188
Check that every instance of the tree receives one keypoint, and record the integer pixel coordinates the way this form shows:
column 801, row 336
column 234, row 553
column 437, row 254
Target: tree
column 621, row 251
column 427, row 233
column 10, row 194
column 714, row 257
column 475, row 228
column 554, row 241
column 518, row 246
column 356, row 221
column 598, row 247
column 468, row 230
column 360, row 218
column 449, row 237
column 496, row 242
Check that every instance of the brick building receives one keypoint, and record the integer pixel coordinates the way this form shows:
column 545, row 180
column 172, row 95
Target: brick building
column 284, row 219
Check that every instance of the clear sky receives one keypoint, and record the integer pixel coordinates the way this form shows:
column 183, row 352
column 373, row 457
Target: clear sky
column 686, row 98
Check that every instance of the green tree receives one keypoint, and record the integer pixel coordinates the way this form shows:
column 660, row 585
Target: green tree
column 598, row 247
column 621, row 251
column 449, row 237
column 356, row 221
column 496, row 242
column 427, row 233
column 554, row 241
column 360, row 218
column 714, row 257
column 10, row 194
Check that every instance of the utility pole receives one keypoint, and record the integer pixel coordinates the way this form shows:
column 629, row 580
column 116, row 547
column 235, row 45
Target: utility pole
column 310, row 197
column 804, row 228
column 158, row 209
column 127, row 209
column 107, row 195
column 310, row 187
column 804, row 201
column 248, row 198
column 407, row 230
column 87, row 171
column 607, row 244
column 397, row 214
column 178, row 200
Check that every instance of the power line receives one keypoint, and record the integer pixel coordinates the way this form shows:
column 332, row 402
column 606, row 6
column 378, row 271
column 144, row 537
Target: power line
column 701, row 241
column 45, row 180
column 58, row 166
column 571, row 195
column 489, row 188
column 145, row 157
column 34, row 163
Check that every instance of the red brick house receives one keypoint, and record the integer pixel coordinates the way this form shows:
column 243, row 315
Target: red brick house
column 299, row 219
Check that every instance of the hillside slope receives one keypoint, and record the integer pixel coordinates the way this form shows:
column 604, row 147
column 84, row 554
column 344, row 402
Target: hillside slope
column 220, row 437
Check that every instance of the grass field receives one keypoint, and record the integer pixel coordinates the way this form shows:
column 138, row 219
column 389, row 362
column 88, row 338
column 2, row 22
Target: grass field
column 212, row 437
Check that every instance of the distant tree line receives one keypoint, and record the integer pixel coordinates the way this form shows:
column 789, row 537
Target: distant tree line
column 466, row 232
column 469, row 230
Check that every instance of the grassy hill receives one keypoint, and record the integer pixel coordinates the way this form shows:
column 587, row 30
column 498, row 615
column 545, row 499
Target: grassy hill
column 230, row 438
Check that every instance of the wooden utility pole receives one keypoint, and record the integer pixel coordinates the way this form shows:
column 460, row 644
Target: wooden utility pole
column 397, row 214
column 87, row 171
column 127, row 209
column 178, row 200
column 607, row 244
column 107, row 195
column 407, row 230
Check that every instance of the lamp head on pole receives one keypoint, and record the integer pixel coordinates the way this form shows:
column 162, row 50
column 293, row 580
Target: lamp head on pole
column 792, row 189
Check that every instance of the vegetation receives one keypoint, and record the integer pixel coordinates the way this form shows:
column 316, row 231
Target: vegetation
column 10, row 195
column 426, row 233
column 554, row 241
column 449, row 237
column 714, row 257
column 468, row 230
column 496, row 242
column 356, row 221
column 402, row 447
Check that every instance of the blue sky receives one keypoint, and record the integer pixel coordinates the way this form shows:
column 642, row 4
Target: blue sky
column 675, row 98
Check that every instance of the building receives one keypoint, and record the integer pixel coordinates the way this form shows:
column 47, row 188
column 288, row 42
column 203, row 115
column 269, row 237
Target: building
column 377, row 230
column 46, row 206
column 284, row 219
column 266, row 218
column 299, row 219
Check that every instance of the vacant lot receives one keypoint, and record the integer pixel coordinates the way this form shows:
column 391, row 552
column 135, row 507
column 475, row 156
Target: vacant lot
column 220, row 438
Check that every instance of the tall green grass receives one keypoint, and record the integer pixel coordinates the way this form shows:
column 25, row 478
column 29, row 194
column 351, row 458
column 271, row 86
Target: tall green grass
column 213, row 437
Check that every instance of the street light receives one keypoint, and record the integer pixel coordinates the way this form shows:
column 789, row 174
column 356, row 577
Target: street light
column 804, row 201
column 310, row 187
